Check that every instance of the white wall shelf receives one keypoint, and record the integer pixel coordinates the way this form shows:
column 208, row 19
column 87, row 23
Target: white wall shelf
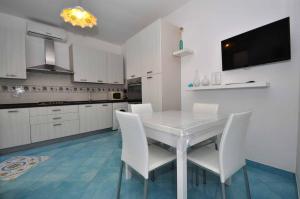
column 183, row 52
column 231, row 86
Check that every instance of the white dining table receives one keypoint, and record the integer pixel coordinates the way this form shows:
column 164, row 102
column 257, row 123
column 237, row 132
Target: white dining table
column 181, row 130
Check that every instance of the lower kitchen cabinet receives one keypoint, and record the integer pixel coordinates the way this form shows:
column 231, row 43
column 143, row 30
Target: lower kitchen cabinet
column 30, row 125
column 14, row 127
column 95, row 116
column 104, row 112
column 48, row 131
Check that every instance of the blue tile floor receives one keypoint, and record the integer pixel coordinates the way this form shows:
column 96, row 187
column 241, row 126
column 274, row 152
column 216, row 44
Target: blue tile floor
column 88, row 168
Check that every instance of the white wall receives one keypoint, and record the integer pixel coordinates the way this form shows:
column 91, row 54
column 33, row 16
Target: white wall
column 272, row 137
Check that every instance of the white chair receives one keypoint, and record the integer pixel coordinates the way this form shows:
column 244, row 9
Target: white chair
column 141, row 108
column 135, row 150
column 207, row 109
column 231, row 156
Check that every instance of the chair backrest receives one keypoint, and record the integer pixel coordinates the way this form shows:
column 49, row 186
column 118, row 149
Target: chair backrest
column 232, row 146
column 134, row 142
column 205, row 108
column 141, row 108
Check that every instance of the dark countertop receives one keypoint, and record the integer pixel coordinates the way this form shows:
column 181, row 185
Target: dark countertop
column 63, row 103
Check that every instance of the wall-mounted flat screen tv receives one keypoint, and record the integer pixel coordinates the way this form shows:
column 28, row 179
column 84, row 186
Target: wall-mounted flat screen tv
column 266, row 44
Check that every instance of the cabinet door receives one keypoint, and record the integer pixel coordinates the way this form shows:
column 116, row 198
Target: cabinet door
column 133, row 57
column 88, row 118
column 62, row 55
column 151, row 49
column 81, row 63
column 105, row 116
column 14, row 127
column 40, row 132
column 115, row 69
column 62, row 129
column 99, row 66
column 12, row 47
column 152, row 91
column 35, row 51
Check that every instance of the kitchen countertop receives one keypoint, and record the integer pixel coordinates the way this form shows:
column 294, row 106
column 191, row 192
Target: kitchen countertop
column 62, row 103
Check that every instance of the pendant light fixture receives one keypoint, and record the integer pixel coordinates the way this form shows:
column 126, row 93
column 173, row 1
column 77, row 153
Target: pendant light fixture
column 78, row 16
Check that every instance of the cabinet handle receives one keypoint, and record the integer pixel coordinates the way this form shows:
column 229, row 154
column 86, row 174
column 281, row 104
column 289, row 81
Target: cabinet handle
column 104, row 105
column 13, row 111
column 149, row 77
column 87, row 106
column 83, row 80
column 57, row 118
column 57, row 124
column 99, row 81
column 116, row 82
column 149, row 71
column 11, row 75
column 55, row 110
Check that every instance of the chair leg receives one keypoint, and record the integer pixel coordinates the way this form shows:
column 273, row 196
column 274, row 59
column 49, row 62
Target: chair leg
column 145, row 188
column 223, row 190
column 197, row 176
column 247, row 183
column 120, row 180
column 204, row 176
column 152, row 176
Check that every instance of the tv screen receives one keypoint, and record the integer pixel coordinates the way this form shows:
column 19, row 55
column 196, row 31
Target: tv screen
column 269, row 43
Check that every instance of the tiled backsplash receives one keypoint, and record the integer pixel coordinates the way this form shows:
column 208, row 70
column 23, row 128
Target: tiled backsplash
column 52, row 87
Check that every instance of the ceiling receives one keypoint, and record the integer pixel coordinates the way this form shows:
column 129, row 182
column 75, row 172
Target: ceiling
column 118, row 20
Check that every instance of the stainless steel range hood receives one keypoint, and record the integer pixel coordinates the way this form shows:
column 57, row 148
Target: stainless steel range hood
column 49, row 66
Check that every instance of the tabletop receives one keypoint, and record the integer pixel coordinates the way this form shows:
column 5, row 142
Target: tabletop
column 181, row 123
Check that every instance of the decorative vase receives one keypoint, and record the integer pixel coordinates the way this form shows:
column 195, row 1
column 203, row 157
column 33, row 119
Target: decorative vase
column 196, row 81
column 205, row 81
column 180, row 45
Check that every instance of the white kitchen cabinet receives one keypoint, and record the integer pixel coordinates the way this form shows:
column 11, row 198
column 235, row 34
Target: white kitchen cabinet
column 88, row 115
column 14, row 127
column 12, row 47
column 133, row 57
column 35, row 52
column 53, row 122
column 152, row 91
column 95, row 117
column 62, row 54
column 104, row 113
column 161, row 78
column 100, row 66
column 81, row 64
column 151, row 49
column 48, row 131
column 89, row 64
column 115, row 69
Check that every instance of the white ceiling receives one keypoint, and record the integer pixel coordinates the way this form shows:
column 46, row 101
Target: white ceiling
column 118, row 20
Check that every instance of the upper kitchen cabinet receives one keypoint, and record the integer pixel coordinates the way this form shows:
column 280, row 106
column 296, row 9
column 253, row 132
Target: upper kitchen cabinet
column 143, row 52
column 133, row 57
column 83, row 63
column 115, row 69
column 89, row 65
column 150, row 52
column 12, row 47
column 35, row 52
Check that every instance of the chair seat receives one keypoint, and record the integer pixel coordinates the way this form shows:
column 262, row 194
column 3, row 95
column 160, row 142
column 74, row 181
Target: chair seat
column 205, row 157
column 159, row 156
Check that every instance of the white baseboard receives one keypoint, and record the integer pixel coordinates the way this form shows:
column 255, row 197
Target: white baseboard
column 298, row 185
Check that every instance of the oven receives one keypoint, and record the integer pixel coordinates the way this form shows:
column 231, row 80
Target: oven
column 134, row 90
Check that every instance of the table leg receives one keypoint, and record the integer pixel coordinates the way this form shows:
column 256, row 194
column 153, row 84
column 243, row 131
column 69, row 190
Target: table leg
column 181, row 169
column 127, row 172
